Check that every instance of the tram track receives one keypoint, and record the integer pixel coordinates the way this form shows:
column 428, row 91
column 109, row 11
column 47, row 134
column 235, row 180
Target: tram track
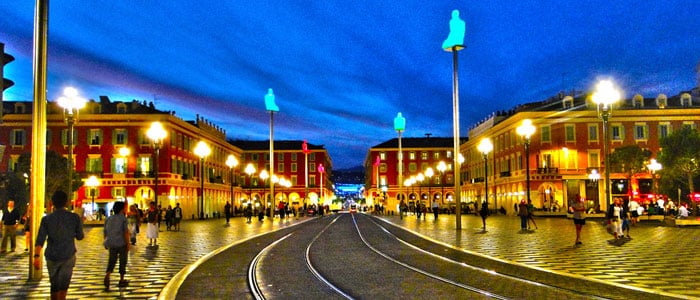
column 353, row 256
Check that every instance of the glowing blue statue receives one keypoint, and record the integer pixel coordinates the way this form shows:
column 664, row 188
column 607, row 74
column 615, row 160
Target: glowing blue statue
column 270, row 101
column 456, row 37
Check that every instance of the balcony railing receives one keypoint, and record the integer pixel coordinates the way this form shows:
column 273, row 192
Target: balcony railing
column 547, row 170
column 505, row 174
column 141, row 174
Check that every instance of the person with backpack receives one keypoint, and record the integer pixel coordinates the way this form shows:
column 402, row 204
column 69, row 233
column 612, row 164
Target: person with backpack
column 177, row 216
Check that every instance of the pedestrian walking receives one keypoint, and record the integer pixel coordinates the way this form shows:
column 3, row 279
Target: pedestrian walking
column 152, row 226
column 625, row 219
column 402, row 208
column 177, row 216
column 614, row 214
column 227, row 211
column 436, row 209
column 578, row 208
column 633, row 207
column 10, row 220
column 522, row 212
column 484, row 212
column 133, row 222
column 117, row 242
column 61, row 228
column 169, row 218
column 27, row 228
column 530, row 214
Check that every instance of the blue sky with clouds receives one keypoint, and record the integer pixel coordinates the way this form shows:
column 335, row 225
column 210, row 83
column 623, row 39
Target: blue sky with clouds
column 341, row 70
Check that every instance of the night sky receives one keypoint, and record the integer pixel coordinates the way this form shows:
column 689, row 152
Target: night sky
column 341, row 70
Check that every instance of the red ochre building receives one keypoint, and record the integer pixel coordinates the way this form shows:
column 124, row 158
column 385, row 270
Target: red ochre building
column 104, row 127
column 566, row 151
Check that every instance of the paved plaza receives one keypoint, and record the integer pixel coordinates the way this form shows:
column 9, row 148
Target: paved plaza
column 658, row 258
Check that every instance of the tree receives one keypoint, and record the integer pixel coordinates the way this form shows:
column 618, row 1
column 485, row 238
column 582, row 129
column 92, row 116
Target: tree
column 629, row 159
column 680, row 157
column 56, row 176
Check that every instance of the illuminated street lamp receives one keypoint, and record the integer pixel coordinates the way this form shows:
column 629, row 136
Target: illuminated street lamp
column 264, row 175
column 272, row 107
column 92, row 182
column 420, row 179
column 485, row 146
column 305, row 149
column 232, row 162
column 429, row 174
column 526, row 130
column 400, row 126
column 202, row 150
column 250, row 170
column 156, row 133
column 442, row 167
column 321, row 170
column 653, row 167
column 71, row 104
column 453, row 43
column 604, row 96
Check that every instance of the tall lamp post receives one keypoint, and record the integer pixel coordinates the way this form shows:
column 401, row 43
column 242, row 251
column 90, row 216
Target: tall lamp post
column 271, row 107
column 305, row 149
column 525, row 130
column 92, row 182
column 264, row 175
column 429, row 174
column 653, row 167
column 400, row 126
column 321, row 183
column 232, row 162
column 604, row 96
column 250, row 170
column 442, row 167
column 485, row 146
column 420, row 179
column 202, row 150
column 71, row 104
column 453, row 43
column 156, row 133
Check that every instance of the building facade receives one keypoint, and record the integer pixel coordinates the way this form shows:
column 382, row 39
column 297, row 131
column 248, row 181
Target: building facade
column 566, row 155
column 382, row 178
column 201, row 185
column 307, row 168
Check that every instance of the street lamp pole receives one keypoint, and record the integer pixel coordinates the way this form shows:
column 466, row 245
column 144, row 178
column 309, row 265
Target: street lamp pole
column 92, row 182
column 305, row 149
column 202, row 150
column 485, row 146
column 264, row 175
column 454, row 43
column 156, row 133
column 250, row 170
column 71, row 104
column 429, row 174
column 442, row 167
column 526, row 130
column 420, row 179
column 604, row 97
column 400, row 126
column 232, row 162
column 654, row 166
column 272, row 108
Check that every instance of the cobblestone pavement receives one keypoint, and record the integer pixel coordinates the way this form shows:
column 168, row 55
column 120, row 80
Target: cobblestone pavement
column 657, row 258
column 148, row 270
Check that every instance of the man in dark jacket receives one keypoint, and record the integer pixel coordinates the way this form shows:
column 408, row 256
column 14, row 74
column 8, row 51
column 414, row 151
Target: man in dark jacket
column 10, row 221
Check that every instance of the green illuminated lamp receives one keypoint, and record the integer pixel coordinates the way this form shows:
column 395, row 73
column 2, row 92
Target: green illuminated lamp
column 399, row 122
column 455, row 40
column 270, row 102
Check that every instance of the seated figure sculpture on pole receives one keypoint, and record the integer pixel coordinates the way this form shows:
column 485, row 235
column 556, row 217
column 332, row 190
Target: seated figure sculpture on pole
column 456, row 37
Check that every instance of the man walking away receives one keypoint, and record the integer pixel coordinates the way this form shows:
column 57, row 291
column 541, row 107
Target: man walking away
column 61, row 228
column 116, row 240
